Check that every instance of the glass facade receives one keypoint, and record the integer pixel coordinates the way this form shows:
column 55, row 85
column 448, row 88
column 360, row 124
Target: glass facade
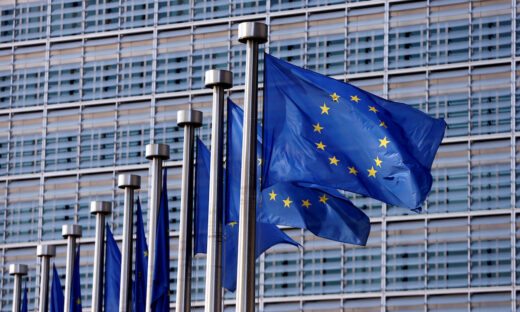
column 85, row 85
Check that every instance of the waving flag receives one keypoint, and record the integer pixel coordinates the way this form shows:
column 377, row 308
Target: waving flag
column 112, row 274
column 57, row 299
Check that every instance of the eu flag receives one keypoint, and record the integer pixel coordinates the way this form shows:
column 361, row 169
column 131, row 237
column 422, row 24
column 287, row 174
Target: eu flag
column 324, row 212
column 57, row 298
column 322, row 131
column 24, row 300
column 112, row 274
column 161, row 274
column 267, row 235
column 141, row 264
column 75, row 292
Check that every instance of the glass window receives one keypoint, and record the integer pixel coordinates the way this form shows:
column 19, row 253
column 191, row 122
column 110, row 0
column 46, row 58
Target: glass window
column 491, row 301
column 133, row 133
column 405, row 255
column 173, row 11
column 22, row 213
column 59, row 205
column 66, row 17
column 95, row 187
column 282, row 5
column 174, row 49
column 210, row 9
column 210, row 46
column 403, row 304
column 448, row 253
column 26, row 143
column 31, row 20
column 246, row 7
column 491, row 29
column 322, row 266
column 4, row 143
column 28, row 76
column 97, row 140
column 409, row 89
column 5, row 77
column 61, row 151
column 136, row 13
column 363, row 264
column 490, row 251
column 6, row 23
column 101, row 15
column 455, row 303
column 365, row 39
column 368, row 305
column 287, row 39
column 64, row 72
column 135, row 71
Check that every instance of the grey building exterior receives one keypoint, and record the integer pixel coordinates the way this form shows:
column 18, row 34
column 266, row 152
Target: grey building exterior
column 85, row 85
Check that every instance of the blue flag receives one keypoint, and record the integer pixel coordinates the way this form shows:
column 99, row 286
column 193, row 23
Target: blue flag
column 24, row 300
column 141, row 264
column 75, row 292
column 267, row 235
column 294, row 205
column 112, row 274
column 57, row 298
column 319, row 130
column 161, row 274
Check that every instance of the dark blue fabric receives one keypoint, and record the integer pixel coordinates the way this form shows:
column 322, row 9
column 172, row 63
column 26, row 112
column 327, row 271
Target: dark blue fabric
column 75, row 293
column 384, row 149
column 161, row 274
column 141, row 264
column 24, row 300
column 57, row 298
column 112, row 274
column 201, row 198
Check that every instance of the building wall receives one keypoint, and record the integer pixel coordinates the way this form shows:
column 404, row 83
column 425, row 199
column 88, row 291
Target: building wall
column 85, row 85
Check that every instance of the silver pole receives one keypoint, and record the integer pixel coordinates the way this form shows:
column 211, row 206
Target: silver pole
column 18, row 270
column 100, row 209
column 45, row 252
column 157, row 153
column 189, row 119
column 218, row 80
column 128, row 182
column 70, row 232
column 252, row 34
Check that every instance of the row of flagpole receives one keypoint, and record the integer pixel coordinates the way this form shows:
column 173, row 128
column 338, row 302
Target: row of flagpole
column 252, row 34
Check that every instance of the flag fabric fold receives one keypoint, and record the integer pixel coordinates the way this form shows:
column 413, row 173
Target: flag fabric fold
column 75, row 293
column 323, row 211
column 267, row 235
column 24, row 300
column 322, row 131
column 57, row 298
column 141, row 264
column 161, row 274
column 112, row 274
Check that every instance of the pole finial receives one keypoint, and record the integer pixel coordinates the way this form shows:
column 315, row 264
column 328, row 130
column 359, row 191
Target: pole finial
column 252, row 31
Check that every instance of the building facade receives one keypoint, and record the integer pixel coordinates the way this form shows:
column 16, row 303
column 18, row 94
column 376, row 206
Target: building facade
column 85, row 85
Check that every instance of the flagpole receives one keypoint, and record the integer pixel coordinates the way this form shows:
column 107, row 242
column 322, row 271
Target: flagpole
column 18, row 270
column 70, row 232
column 128, row 182
column 252, row 34
column 219, row 80
column 100, row 209
column 189, row 119
column 156, row 153
column 45, row 252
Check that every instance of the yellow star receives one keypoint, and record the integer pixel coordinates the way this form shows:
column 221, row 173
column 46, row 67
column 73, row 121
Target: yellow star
column 323, row 199
column 382, row 124
column 272, row 195
column 384, row 142
column 324, row 109
column 78, row 301
column 320, row 146
column 352, row 170
column 378, row 161
column 372, row 172
column 334, row 97
column 286, row 202
column 334, row 160
column 355, row 98
column 146, row 253
column 372, row 109
column 317, row 128
column 259, row 161
column 232, row 223
column 306, row 203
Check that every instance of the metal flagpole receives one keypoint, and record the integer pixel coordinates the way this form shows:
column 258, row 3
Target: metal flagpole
column 189, row 119
column 252, row 34
column 157, row 153
column 18, row 270
column 100, row 209
column 128, row 182
column 70, row 232
column 218, row 80
column 45, row 252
